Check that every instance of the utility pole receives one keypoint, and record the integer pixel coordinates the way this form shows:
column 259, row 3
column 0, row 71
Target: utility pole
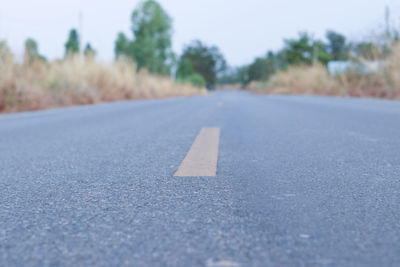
column 80, row 33
column 1, row 28
column 387, row 25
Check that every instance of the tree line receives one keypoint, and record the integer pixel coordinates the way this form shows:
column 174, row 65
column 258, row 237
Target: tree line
column 150, row 47
column 306, row 50
column 72, row 46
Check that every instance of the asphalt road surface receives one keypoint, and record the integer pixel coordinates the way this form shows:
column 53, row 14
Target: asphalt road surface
column 300, row 181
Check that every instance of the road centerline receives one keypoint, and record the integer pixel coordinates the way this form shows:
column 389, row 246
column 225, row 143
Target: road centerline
column 202, row 158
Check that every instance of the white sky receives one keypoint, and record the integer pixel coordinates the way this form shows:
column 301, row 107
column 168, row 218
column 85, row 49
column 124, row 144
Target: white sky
column 241, row 29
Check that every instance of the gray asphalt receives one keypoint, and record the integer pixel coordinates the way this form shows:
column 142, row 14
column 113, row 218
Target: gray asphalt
column 301, row 181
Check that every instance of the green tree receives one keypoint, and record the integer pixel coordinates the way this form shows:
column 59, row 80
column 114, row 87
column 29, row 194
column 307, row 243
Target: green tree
column 237, row 75
column 89, row 51
column 280, row 60
column 320, row 53
column 368, row 50
column 152, row 30
column 195, row 79
column 72, row 44
column 121, row 46
column 337, row 46
column 299, row 51
column 184, row 70
column 258, row 70
column 206, row 61
column 305, row 50
column 186, row 73
column 262, row 68
column 31, row 48
column 32, row 51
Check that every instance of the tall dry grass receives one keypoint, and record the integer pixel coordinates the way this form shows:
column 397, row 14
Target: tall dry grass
column 298, row 80
column 75, row 81
column 315, row 80
column 229, row 86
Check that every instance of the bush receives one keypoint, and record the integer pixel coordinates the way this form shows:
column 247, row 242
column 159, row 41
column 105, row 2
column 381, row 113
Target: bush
column 194, row 79
column 77, row 80
column 299, row 80
column 315, row 80
column 197, row 80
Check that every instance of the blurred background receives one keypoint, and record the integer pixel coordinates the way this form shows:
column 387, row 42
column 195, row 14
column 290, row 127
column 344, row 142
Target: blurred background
column 79, row 52
column 241, row 29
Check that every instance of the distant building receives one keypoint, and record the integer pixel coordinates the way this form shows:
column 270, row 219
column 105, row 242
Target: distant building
column 367, row 67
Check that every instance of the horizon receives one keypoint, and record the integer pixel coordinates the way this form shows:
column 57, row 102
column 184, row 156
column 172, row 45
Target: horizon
column 240, row 43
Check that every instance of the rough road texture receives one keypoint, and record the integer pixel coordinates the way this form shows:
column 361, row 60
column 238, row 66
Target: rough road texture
column 301, row 181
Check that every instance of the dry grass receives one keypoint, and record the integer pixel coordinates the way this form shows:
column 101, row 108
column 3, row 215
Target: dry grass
column 229, row 87
column 315, row 80
column 298, row 80
column 76, row 81
column 392, row 72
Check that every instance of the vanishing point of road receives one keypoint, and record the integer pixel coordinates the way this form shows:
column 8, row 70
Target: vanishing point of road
column 228, row 179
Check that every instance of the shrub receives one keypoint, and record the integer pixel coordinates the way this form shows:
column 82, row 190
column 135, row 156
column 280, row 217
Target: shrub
column 78, row 80
column 315, row 79
column 196, row 80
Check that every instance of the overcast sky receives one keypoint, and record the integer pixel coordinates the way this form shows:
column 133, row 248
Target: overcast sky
column 241, row 29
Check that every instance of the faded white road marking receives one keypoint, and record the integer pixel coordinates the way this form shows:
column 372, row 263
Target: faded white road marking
column 202, row 158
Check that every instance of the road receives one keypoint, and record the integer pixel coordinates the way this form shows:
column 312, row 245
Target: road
column 300, row 181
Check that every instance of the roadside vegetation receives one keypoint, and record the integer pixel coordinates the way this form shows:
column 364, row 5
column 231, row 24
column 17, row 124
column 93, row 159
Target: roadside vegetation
column 144, row 67
column 77, row 80
column 306, row 65
column 382, row 82
column 375, row 73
